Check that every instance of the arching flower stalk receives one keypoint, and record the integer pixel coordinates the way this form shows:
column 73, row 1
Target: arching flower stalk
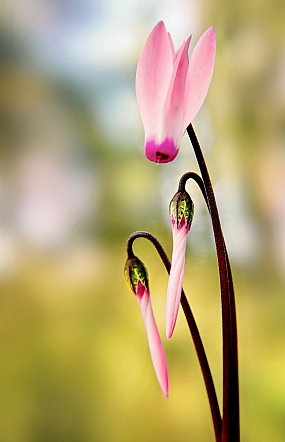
column 193, row 328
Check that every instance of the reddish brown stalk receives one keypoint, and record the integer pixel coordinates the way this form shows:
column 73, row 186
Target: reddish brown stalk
column 205, row 368
column 230, row 425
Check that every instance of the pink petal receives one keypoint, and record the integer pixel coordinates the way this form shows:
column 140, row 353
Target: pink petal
column 155, row 345
column 153, row 75
column 173, row 107
column 172, row 47
column 199, row 75
column 176, row 275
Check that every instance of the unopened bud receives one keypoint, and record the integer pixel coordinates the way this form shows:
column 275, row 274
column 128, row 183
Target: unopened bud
column 181, row 205
column 135, row 272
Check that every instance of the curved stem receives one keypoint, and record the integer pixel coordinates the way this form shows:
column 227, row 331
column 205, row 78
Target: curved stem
column 209, row 383
column 194, row 176
column 230, row 426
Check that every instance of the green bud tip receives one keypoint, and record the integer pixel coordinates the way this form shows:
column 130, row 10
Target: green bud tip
column 135, row 272
column 181, row 204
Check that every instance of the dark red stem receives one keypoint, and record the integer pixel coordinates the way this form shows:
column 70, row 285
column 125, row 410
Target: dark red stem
column 209, row 383
column 230, row 425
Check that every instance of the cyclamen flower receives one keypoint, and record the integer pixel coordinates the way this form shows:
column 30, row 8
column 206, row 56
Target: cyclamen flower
column 171, row 88
column 181, row 210
column 136, row 276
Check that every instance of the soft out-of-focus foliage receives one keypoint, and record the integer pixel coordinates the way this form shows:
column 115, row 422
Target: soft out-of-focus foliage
column 75, row 183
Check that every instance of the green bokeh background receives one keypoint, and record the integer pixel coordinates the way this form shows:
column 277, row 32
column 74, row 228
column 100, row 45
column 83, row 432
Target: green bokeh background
column 75, row 364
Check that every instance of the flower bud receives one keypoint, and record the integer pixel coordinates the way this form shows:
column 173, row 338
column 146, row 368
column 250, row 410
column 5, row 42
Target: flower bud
column 136, row 272
column 181, row 210
column 137, row 279
column 181, row 205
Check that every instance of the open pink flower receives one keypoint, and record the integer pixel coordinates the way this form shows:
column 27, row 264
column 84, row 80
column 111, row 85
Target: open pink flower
column 171, row 89
column 181, row 212
column 136, row 276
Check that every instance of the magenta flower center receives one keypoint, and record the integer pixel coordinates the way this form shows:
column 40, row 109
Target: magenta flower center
column 162, row 152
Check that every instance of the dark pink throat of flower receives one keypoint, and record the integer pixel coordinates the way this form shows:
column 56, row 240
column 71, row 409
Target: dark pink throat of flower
column 162, row 152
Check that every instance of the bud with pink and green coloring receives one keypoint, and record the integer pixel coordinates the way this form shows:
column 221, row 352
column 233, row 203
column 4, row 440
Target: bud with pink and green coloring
column 181, row 210
column 137, row 278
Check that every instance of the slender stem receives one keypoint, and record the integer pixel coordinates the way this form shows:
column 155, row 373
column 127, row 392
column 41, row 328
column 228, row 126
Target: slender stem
column 209, row 383
column 194, row 176
column 230, row 426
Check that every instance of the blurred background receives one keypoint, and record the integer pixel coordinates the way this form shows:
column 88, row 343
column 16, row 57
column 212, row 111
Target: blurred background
column 75, row 363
